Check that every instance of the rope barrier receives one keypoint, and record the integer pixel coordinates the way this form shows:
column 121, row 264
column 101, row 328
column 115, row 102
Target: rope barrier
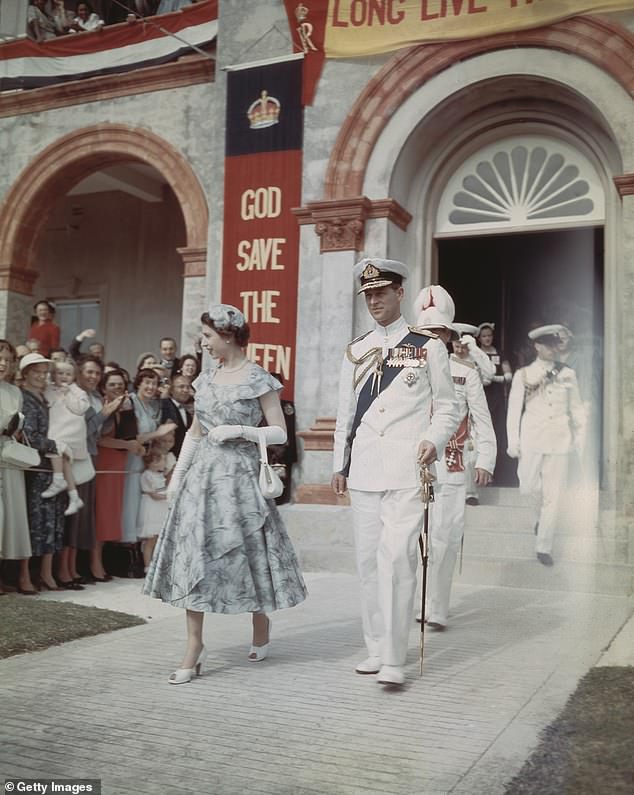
column 97, row 471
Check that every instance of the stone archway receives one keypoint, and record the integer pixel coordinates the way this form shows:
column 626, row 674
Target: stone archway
column 64, row 163
column 599, row 41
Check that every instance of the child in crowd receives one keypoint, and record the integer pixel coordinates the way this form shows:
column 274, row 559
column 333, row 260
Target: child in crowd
column 153, row 510
column 166, row 444
column 67, row 427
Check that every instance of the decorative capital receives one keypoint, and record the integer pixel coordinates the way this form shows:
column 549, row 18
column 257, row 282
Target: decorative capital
column 194, row 260
column 625, row 184
column 18, row 280
column 340, row 224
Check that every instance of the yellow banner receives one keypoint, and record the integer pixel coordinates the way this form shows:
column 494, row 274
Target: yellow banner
column 367, row 27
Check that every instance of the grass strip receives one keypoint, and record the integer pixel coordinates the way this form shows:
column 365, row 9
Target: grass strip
column 589, row 748
column 28, row 624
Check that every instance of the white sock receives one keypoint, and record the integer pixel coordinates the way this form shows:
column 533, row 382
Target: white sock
column 73, row 494
column 57, row 476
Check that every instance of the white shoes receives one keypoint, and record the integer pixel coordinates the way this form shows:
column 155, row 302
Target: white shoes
column 75, row 503
column 56, row 487
column 259, row 653
column 183, row 675
column 371, row 665
column 390, row 675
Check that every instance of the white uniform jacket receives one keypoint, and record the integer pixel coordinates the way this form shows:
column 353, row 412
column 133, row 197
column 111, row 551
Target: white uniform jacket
column 486, row 368
column 384, row 453
column 545, row 413
column 471, row 401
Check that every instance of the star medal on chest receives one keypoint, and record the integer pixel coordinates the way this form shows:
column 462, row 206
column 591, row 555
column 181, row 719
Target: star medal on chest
column 411, row 377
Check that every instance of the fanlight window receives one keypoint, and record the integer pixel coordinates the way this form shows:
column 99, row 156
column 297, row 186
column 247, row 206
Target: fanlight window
column 520, row 183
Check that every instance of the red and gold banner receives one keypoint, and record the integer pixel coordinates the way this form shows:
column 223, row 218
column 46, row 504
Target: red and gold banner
column 349, row 28
column 263, row 176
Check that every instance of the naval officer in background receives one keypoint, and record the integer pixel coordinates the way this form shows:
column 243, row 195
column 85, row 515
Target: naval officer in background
column 545, row 422
column 475, row 431
column 389, row 378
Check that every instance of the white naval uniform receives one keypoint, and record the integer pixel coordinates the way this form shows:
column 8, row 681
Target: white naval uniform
column 545, row 418
column 384, row 480
column 486, row 370
column 449, row 509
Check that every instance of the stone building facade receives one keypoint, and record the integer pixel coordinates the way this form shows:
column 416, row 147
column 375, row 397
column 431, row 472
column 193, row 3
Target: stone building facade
column 388, row 141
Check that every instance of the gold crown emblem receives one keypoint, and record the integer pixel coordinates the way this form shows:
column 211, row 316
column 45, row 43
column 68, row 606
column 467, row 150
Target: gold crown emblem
column 301, row 12
column 370, row 271
column 264, row 112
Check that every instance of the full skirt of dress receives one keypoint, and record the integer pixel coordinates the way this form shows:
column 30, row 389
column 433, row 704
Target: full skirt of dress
column 224, row 548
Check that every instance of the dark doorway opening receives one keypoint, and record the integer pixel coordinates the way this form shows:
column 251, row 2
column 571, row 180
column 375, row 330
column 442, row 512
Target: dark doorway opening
column 520, row 281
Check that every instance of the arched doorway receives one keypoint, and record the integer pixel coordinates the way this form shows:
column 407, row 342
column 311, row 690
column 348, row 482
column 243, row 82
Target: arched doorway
column 519, row 237
column 421, row 113
column 71, row 161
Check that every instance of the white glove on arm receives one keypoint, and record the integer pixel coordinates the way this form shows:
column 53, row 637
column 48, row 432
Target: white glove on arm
column 186, row 456
column 274, row 433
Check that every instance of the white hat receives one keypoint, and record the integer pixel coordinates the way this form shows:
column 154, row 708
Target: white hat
column 226, row 317
column 553, row 330
column 435, row 309
column 377, row 272
column 484, row 325
column 466, row 328
column 32, row 358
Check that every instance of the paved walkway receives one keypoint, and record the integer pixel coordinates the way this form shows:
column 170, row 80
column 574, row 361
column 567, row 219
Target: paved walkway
column 301, row 722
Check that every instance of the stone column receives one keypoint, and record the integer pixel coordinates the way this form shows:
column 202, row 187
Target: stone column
column 624, row 463
column 16, row 299
column 194, row 294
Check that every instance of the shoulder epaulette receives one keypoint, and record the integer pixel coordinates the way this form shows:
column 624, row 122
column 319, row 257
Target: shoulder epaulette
column 464, row 362
column 360, row 337
column 425, row 332
column 349, row 354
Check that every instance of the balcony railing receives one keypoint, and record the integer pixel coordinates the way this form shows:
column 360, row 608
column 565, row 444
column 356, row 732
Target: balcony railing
column 114, row 49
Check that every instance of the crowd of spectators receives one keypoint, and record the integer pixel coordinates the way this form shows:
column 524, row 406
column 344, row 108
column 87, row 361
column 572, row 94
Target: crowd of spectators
column 57, row 534
column 47, row 19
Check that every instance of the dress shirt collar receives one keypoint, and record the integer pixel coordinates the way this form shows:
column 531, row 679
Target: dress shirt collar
column 386, row 331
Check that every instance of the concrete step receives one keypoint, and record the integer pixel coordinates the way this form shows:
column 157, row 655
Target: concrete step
column 504, row 555
column 520, row 543
column 565, row 575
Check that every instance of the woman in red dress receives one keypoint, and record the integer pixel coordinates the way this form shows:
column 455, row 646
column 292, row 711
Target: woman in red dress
column 44, row 329
column 117, row 440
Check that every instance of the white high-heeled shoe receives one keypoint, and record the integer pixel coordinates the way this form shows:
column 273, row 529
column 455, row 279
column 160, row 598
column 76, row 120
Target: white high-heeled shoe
column 183, row 675
column 259, row 653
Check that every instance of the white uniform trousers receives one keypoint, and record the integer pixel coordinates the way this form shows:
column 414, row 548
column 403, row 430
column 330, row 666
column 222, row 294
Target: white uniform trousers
column 447, row 527
column 543, row 477
column 387, row 525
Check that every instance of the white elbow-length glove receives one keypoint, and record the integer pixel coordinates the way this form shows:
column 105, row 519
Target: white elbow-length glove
column 274, row 433
column 186, row 456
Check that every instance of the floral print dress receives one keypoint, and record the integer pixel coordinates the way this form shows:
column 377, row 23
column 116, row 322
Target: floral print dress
column 46, row 517
column 224, row 547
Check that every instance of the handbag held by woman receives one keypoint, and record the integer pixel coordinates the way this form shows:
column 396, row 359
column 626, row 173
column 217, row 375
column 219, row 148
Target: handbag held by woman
column 14, row 453
column 270, row 484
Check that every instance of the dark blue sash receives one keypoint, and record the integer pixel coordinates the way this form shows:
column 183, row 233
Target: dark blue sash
column 368, row 394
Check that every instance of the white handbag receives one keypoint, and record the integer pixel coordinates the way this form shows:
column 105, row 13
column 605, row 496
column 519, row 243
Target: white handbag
column 15, row 455
column 270, row 484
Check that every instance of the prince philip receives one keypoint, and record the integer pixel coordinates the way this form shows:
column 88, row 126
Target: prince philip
column 390, row 377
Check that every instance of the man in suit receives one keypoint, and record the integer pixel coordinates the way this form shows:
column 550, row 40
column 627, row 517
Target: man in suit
column 174, row 408
column 384, row 429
